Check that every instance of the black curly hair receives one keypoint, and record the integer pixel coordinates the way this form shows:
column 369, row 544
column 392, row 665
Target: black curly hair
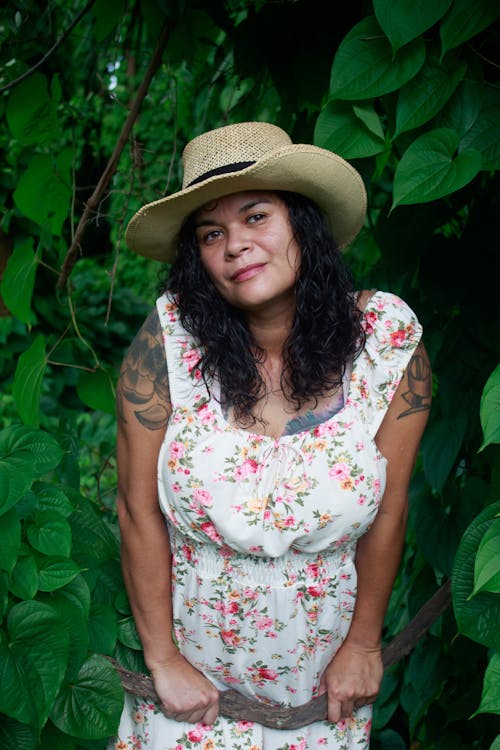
column 326, row 331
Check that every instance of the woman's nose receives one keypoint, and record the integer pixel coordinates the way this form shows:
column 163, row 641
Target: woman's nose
column 236, row 242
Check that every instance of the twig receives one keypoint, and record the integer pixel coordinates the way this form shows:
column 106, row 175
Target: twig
column 97, row 195
column 235, row 706
column 55, row 46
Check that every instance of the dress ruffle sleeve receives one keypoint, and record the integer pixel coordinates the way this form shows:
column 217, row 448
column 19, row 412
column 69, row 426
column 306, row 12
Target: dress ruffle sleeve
column 392, row 335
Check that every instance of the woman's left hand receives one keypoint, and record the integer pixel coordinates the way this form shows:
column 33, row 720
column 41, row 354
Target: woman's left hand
column 352, row 679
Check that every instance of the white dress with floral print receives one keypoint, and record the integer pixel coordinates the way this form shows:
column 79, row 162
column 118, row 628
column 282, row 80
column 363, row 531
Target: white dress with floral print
column 263, row 535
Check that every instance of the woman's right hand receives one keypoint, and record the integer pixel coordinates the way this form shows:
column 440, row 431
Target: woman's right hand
column 184, row 692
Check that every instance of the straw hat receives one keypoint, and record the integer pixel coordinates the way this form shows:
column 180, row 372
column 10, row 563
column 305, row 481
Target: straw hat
column 250, row 156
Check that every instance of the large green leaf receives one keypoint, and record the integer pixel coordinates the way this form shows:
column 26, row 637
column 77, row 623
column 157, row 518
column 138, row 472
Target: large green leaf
column 490, row 699
column 43, row 192
column 103, row 629
column 364, row 66
column 90, row 706
column 489, row 409
column 463, row 108
column 484, row 135
column 426, row 94
column 32, row 662
column 10, row 540
column 24, row 454
column 55, row 572
column 404, row 20
column 52, row 498
column 49, row 532
column 496, row 743
column 127, row 633
column 430, row 168
column 24, row 577
column 487, row 565
column 340, row 129
column 19, row 279
column 73, row 620
column 17, row 736
column 465, row 19
column 440, row 446
column 96, row 390
column 28, row 378
column 31, row 113
column 93, row 540
column 478, row 616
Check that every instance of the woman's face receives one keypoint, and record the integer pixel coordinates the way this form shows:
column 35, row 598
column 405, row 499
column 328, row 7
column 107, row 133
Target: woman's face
column 248, row 250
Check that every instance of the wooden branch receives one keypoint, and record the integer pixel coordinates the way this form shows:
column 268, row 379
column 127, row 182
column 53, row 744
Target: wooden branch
column 235, row 706
column 51, row 51
column 98, row 194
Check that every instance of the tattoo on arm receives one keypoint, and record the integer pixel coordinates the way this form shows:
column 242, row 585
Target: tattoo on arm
column 144, row 378
column 418, row 375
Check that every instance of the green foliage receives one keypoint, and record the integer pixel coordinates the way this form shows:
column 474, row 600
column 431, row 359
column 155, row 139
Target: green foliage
column 490, row 409
column 50, row 540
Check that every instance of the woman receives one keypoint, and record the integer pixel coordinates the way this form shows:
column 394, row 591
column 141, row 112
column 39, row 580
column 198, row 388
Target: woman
column 269, row 419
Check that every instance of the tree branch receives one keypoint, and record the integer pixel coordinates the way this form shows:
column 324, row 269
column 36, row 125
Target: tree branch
column 51, row 51
column 98, row 194
column 235, row 706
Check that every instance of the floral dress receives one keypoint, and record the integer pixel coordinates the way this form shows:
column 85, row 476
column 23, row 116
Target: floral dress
column 263, row 533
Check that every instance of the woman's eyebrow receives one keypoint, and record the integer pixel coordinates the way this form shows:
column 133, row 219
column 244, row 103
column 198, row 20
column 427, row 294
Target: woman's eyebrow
column 208, row 222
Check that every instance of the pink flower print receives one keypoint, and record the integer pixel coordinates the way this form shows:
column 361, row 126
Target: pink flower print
column 264, row 673
column 176, row 487
column 209, row 529
column 361, row 500
column 249, row 593
column 326, row 428
column 191, row 359
column 339, row 471
column 263, row 623
column 315, row 590
column 249, row 466
column 289, row 521
column 230, row 638
column 398, row 338
column 196, row 734
column 369, row 322
column 187, row 552
column 312, row 569
column 206, row 416
column 243, row 726
column 176, row 449
column 203, row 497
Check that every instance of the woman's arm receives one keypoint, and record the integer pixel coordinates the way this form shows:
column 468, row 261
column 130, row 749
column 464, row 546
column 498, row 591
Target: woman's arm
column 354, row 675
column 143, row 407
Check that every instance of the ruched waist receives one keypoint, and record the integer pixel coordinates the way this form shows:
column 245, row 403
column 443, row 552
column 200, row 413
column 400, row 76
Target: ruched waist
column 213, row 561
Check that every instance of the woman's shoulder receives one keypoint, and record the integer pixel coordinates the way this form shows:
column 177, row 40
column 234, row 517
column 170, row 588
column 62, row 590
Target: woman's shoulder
column 388, row 322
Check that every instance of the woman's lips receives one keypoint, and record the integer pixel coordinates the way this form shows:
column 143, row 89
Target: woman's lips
column 248, row 272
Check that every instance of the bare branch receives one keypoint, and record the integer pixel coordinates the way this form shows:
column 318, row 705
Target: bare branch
column 98, row 194
column 235, row 706
column 51, row 51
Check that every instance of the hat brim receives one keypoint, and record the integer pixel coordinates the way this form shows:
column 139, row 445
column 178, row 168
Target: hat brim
column 324, row 177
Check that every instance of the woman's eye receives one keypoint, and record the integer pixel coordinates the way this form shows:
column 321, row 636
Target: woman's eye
column 212, row 235
column 255, row 217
